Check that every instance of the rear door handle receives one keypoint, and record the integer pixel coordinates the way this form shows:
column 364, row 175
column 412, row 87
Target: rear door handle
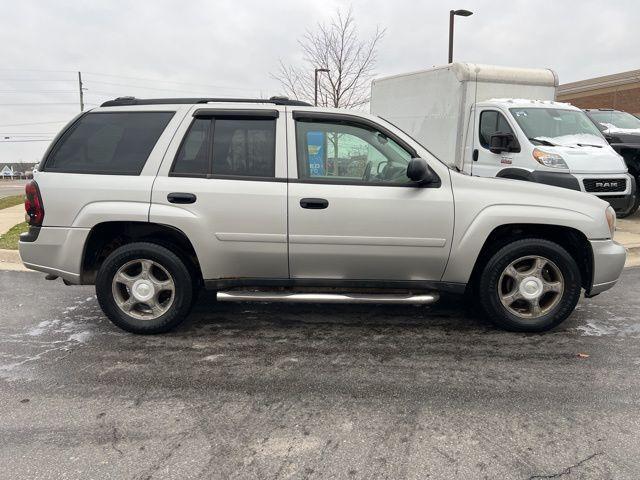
column 314, row 203
column 179, row 197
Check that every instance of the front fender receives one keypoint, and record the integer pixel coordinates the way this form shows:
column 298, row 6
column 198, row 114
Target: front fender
column 468, row 241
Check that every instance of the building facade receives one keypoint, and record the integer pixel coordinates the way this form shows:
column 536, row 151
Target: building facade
column 620, row 91
column 16, row 170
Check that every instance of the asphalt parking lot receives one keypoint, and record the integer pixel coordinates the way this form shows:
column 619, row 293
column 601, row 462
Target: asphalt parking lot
column 292, row 391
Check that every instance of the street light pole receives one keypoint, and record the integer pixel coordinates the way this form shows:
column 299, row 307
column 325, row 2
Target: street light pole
column 453, row 13
column 315, row 98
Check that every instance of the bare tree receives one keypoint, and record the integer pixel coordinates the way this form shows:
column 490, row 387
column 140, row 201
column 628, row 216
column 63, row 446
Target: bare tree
column 337, row 47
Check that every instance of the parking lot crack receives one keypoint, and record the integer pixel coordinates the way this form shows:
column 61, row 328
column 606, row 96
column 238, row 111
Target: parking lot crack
column 567, row 470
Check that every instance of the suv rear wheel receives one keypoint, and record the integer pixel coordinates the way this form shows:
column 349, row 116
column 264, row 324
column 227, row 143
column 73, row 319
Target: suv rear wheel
column 530, row 285
column 144, row 288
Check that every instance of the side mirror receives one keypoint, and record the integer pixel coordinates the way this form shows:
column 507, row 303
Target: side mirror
column 419, row 171
column 503, row 142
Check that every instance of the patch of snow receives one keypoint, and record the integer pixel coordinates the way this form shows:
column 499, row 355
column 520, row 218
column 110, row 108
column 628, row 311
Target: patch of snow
column 611, row 128
column 211, row 358
column 80, row 337
column 575, row 139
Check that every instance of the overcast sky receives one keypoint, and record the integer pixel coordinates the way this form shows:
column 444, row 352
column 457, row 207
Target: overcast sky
column 228, row 47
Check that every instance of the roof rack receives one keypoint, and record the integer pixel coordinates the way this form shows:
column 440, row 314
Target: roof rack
column 124, row 101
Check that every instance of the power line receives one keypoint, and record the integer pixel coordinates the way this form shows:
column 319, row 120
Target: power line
column 158, row 80
column 38, row 104
column 25, row 141
column 37, row 91
column 32, row 123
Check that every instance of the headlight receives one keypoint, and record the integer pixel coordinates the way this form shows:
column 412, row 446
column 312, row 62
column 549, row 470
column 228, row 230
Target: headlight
column 610, row 213
column 547, row 159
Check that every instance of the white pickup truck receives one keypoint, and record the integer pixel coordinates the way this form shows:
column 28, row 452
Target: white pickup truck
column 493, row 121
column 275, row 200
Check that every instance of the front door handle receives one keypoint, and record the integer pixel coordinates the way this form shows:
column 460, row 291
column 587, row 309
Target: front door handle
column 314, row 203
column 180, row 197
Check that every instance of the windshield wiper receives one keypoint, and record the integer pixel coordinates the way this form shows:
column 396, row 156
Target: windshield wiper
column 543, row 141
column 588, row 145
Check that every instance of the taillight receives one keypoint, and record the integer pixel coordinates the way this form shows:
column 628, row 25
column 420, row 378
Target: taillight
column 33, row 205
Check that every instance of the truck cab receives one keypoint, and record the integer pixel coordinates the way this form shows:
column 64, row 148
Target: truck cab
column 551, row 143
column 503, row 122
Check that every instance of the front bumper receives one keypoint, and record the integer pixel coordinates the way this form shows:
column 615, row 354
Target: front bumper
column 608, row 262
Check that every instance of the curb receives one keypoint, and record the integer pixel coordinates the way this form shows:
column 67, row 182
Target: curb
column 10, row 260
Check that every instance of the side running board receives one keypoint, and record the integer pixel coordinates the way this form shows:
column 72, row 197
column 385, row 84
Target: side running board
column 249, row 296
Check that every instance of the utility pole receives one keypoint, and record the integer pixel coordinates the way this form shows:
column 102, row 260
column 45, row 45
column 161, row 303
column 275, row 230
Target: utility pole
column 81, row 92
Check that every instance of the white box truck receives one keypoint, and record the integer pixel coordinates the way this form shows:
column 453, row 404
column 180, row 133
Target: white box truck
column 503, row 122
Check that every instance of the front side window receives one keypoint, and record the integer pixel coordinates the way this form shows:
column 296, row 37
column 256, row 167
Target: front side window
column 346, row 152
column 492, row 122
column 115, row 143
column 557, row 126
column 240, row 147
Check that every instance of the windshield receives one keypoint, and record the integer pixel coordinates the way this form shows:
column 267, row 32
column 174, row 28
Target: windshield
column 557, row 126
column 616, row 121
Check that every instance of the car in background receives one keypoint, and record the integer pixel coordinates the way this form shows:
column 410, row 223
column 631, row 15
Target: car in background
column 622, row 131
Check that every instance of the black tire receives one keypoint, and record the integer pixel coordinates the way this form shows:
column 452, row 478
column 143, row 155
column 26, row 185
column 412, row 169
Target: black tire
column 182, row 278
column 632, row 210
column 489, row 298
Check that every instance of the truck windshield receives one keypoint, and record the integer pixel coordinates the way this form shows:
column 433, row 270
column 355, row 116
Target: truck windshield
column 616, row 122
column 557, row 126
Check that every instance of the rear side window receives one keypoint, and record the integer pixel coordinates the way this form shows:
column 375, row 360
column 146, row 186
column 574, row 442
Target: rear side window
column 117, row 143
column 193, row 157
column 240, row 148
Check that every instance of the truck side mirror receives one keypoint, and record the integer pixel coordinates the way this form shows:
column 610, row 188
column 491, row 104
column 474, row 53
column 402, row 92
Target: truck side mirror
column 419, row 172
column 503, row 142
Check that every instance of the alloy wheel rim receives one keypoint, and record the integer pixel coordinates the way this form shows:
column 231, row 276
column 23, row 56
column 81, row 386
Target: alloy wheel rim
column 143, row 289
column 531, row 286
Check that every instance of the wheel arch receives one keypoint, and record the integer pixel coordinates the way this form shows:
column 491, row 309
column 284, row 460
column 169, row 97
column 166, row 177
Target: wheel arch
column 571, row 239
column 105, row 237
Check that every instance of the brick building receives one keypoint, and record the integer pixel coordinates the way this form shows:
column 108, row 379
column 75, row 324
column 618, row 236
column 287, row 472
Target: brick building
column 620, row 91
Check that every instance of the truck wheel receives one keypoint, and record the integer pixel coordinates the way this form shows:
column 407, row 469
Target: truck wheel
column 632, row 210
column 144, row 288
column 530, row 285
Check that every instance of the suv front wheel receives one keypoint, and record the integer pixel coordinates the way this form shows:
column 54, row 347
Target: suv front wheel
column 144, row 288
column 529, row 285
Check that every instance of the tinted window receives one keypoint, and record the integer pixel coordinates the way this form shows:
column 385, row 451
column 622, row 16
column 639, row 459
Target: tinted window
column 492, row 122
column 193, row 156
column 244, row 147
column 109, row 143
column 346, row 152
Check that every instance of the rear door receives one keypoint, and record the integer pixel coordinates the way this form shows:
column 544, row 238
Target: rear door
column 223, row 183
column 353, row 213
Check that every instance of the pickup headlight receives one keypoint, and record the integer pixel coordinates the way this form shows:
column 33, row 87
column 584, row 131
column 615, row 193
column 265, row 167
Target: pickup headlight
column 610, row 213
column 547, row 159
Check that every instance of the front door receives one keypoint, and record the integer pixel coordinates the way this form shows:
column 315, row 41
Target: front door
column 353, row 213
column 488, row 164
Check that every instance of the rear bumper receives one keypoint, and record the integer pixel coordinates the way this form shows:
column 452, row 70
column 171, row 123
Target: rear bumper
column 608, row 262
column 57, row 251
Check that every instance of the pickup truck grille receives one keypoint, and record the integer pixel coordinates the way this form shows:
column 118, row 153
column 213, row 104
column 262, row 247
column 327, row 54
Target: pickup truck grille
column 602, row 185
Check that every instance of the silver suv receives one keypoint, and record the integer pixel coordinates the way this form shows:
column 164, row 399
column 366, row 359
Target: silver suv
column 275, row 200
